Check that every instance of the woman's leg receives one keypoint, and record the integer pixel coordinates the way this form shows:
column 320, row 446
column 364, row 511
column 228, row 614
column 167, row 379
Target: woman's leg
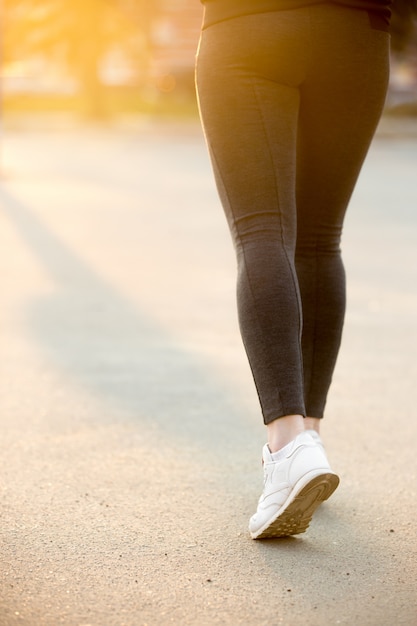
column 341, row 103
column 248, row 75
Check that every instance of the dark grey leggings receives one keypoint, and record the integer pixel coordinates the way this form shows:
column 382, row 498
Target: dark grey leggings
column 289, row 102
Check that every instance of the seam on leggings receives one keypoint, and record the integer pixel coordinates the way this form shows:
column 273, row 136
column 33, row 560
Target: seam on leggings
column 292, row 270
column 316, row 307
column 293, row 274
column 310, row 61
column 310, row 64
column 314, row 338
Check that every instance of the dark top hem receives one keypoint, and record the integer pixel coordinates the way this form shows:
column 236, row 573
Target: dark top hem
column 221, row 10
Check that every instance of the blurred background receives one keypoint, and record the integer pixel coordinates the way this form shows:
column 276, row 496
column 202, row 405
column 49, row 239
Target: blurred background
column 99, row 58
column 103, row 58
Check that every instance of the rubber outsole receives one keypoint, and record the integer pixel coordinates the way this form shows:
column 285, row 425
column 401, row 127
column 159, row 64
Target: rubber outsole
column 296, row 517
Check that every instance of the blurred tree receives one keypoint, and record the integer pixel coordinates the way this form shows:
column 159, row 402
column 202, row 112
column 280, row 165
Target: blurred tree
column 79, row 34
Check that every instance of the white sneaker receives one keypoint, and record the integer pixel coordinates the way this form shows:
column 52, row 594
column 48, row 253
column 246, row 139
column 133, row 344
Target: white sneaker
column 293, row 489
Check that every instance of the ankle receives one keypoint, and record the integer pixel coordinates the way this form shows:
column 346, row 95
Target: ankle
column 283, row 430
column 312, row 423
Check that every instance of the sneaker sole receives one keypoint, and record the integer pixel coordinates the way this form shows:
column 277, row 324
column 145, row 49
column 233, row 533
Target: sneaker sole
column 296, row 517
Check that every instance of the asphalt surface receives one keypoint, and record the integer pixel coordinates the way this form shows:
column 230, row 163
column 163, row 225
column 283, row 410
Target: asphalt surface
column 131, row 436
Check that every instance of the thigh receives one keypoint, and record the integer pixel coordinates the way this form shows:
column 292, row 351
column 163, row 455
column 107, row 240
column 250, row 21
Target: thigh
column 341, row 103
column 248, row 74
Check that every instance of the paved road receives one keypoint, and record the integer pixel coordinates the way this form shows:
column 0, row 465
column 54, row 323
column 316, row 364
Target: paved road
column 131, row 437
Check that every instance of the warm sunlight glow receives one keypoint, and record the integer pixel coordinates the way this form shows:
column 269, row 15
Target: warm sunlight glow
column 98, row 57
